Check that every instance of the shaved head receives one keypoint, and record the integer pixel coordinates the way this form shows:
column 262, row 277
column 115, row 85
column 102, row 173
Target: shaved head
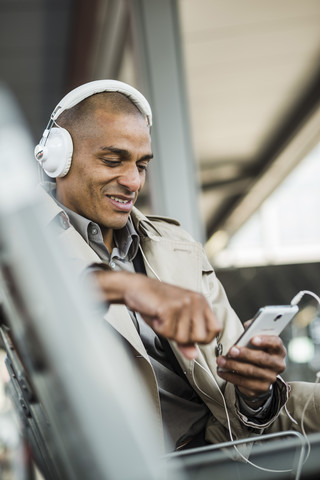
column 78, row 119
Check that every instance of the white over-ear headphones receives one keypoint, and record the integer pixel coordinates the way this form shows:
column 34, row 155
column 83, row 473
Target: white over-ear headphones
column 54, row 151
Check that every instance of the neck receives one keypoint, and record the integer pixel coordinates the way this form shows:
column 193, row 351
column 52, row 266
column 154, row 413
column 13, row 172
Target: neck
column 108, row 239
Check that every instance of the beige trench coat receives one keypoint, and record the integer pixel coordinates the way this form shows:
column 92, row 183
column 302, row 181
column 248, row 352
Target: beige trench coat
column 177, row 259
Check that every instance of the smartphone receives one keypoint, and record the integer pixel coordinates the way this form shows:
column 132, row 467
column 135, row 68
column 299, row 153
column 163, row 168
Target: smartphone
column 270, row 320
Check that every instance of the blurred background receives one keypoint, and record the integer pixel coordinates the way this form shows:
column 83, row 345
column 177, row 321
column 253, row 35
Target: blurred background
column 235, row 90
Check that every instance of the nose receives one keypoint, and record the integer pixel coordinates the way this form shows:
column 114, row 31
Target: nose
column 131, row 179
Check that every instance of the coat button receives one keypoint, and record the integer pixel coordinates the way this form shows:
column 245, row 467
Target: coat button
column 64, row 222
column 219, row 349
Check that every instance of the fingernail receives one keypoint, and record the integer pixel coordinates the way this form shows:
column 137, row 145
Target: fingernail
column 256, row 340
column 220, row 370
column 234, row 352
column 221, row 361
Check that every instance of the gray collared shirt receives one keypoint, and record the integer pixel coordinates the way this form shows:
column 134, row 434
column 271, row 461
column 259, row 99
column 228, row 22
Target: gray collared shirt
column 126, row 241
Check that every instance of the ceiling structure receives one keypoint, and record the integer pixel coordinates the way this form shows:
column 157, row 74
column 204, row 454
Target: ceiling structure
column 252, row 75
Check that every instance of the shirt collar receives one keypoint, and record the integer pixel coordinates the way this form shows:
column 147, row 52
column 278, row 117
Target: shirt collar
column 126, row 239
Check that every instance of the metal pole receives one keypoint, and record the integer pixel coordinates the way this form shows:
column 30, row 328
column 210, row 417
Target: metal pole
column 158, row 59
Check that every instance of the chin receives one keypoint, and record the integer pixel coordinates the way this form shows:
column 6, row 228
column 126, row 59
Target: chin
column 117, row 225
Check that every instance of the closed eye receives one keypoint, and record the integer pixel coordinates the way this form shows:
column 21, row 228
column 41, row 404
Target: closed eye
column 111, row 163
column 142, row 167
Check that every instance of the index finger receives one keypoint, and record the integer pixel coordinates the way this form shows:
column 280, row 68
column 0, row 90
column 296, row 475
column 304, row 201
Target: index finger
column 204, row 325
column 256, row 357
column 189, row 351
column 212, row 324
column 268, row 342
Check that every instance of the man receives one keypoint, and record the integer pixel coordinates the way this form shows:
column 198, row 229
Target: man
column 171, row 308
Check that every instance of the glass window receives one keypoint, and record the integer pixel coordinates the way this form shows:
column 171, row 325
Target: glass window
column 286, row 228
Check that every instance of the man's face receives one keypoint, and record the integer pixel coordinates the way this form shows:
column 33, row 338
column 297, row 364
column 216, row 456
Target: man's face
column 108, row 169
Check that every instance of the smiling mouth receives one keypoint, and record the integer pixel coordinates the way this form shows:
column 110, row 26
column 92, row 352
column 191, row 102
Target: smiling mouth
column 121, row 203
column 116, row 199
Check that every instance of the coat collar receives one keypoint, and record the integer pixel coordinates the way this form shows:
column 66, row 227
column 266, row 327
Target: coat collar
column 145, row 225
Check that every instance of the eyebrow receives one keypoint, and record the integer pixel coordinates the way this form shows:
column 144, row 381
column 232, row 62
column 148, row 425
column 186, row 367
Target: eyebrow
column 122, row 152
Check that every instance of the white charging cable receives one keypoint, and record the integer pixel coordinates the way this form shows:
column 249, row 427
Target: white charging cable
column 302, row 461
column 146, row 260
column 230, row 430
column 295, row 301
column 300, row 294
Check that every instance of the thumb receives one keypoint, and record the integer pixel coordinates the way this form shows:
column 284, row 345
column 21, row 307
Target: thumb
column 189, row 351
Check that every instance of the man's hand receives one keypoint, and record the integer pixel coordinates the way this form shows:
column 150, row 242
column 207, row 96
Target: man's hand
column 173, row 312
column 254, row 370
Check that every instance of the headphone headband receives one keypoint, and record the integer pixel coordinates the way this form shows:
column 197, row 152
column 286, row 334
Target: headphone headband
column 98, row 86
column 54, row 151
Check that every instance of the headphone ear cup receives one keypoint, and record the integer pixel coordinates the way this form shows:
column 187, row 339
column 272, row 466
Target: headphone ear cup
column 57, row 154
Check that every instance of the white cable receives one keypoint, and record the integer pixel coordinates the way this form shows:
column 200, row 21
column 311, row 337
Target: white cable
column 300, row 294
column 302, row 418
column 295, row 301
column 146, row 260
column 229, row 426
column 289, row 415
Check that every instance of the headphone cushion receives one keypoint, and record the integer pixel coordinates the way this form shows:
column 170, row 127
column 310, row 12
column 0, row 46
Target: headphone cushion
column 59, row 148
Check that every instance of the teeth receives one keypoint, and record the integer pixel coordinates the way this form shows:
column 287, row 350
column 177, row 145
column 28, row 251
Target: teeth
column 119, row 200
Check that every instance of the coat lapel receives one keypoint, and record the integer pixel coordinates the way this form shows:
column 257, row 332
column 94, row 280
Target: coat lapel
column 119, row 317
